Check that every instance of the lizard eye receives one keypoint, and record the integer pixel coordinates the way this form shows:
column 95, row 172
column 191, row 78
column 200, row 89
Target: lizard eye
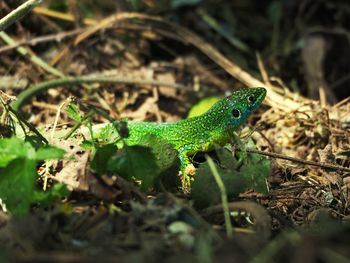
column 251, row 99
column 236, row 113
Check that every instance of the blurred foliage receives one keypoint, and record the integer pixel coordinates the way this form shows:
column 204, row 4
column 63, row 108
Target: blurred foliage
column 202, row 106
column 238, row 173
column 18, row 175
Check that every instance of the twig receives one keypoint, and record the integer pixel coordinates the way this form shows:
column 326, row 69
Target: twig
column 341, row 103
column 189, row 37
column 262, row 69
column 78, row 124
column 35, row 59
column 62, row 16
column 31, row 127
column 57, row 117
column 273, row 98
column 223, row 192
column 18, row 13
column 42, row 39
column 37, row 88
column 296, row 160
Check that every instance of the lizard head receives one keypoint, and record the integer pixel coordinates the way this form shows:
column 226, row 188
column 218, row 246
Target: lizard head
column 236, row 108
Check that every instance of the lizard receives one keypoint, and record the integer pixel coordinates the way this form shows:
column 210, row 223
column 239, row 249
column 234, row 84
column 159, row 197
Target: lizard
column 203, row 132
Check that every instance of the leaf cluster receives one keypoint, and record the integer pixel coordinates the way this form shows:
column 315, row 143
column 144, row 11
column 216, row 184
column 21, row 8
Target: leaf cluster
column 18, row 175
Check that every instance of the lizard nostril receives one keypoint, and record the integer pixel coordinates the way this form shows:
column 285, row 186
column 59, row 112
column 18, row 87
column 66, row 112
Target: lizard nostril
column 236, row 113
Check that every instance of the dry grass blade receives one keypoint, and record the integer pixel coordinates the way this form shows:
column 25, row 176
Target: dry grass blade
column 110, row 21
column 273, row 98
column 61, row 16
column 18, row 13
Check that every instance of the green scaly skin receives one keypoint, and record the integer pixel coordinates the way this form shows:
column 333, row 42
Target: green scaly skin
column 201, row 133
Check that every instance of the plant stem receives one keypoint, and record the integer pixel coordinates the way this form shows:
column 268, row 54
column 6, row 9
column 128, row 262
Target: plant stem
column 223, row 192
column 18, row 13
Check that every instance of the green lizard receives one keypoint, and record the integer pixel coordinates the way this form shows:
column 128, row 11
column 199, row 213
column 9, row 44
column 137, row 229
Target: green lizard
column 201, row 133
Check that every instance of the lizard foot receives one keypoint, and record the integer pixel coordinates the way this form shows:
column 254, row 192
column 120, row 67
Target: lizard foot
column 187, row 177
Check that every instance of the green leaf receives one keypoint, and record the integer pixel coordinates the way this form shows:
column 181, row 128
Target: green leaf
column 135, row 163
column 205, row 191
column 57, row 192
column 255, row 170
column 13, row 148
column 143, row 162
column 10, row 149
column 202, row 106
column 237, row 175
column 73, row 112
column 17, row 183
column 18, row 177
column 109, row 133
column 87, row 145
column 101, row 158
column 49, row 153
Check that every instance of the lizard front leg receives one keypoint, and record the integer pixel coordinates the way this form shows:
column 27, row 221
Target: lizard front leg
column 187, row 168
